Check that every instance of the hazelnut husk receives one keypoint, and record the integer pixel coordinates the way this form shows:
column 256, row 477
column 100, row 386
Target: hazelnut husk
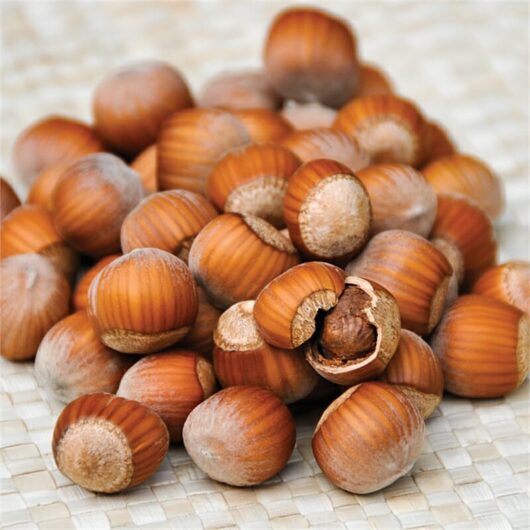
column 357, row 337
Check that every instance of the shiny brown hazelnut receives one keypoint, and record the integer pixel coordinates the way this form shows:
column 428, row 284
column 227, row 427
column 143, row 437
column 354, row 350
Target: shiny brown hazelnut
column 373, row 81
column 8, row 198
column 145, row 165
column 264, row 125
column 41, row 191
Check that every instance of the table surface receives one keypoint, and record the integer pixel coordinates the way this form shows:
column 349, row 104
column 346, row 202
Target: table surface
column 466, row 63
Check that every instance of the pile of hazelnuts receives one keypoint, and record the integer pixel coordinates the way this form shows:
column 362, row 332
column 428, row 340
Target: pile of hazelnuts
column 296, row 234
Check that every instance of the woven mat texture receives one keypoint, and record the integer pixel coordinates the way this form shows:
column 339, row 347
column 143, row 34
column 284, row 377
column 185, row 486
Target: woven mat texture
column 466, row 63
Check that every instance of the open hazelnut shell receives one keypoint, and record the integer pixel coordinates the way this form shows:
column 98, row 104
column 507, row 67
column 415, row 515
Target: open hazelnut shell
column 358, row 337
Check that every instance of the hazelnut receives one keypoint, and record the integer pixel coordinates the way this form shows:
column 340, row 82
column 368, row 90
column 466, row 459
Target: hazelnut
column 322, row 142
column 400, row 198
column 41, row 191
column 286, row 309
column 247, row 89
column 388, row 127
column 172, row 384
column 143, row 302
column 298, row 48
column 368, row 438
column 107, row 444
column 30, row 229
column 51, row 140
column 145, row 165
column 8, row 198
column 308, row 115
column 440, row 143
column 200, row 337
column 235, row 256
column 456, row 260
column 373, row 81
column 264, row 125
column 327, row 211
column 168, row 220
column 358, row 336
column 253, row 180
column 469, row 176
column 417, row 372
column 33, row 297
column 191, row 142
column 80, row 294
column 130, row 104
column 509, row 282
column 459, row 220
column 242, row 357
column 90, row 201
column 221, row 436
column 484, row 347
column 413, row 270
column 71, row 360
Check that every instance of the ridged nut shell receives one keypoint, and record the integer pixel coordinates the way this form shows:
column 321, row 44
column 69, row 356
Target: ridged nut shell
column 509, row 282
column 171, row 384
column 373, row 82
column 234, row 257
column 41, row 191
column 242, row 357
column 416, row 370
column 106, row 444
column 264, row 125
column 469, row 176
column 400, row 198
column 72, row 361
column 286, row 309
column 143, row 302
column 191, row 142
column 462, row 222
column 8, row 198
column 389, row 128
column 415, row 272
column 241, row 436
column 484, row 347
column 145, row 165
column 33, row 297
column 368, row 438
column 253, row 180
column 310, row 55
column 30, row 229
column 322, row 142
column 327, row 211
column 90, row 201
column 382, row 314
column 168, row 220
column 51, row 140
column 131, row 103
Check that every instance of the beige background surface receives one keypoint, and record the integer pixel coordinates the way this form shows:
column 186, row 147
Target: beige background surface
column 466, row 63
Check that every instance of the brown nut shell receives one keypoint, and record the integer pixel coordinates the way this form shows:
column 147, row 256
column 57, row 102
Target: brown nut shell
column 90, row 201
column 388, row 127
column 373, row 81
column 242, row 357
column 327, row 211
column 322, row 142
column 145, row 165
column 264, row 125
column 72, row 361
column 458, row 173
column 286, row 309
column 191, row 142
column 368, row 438
column 235, row 256
column 30, row 229
column 171, row 384
column 456, row 260
column 379, row 313
column 484, row 347
column 415, row 272
column 440, row 143
column 33, row 297
column 41, row 191
column 242, row 436
column 509, row 282
column 168, row 220
column 400, row 198
column 8, row 198
column 308, row 115
column 106, row 444
column 51, row 140
column 143, row 302
column 417, row 372
column 253, row 180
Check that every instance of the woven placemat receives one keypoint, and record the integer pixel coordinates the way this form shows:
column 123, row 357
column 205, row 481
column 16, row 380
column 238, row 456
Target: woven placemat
column 466, row 63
